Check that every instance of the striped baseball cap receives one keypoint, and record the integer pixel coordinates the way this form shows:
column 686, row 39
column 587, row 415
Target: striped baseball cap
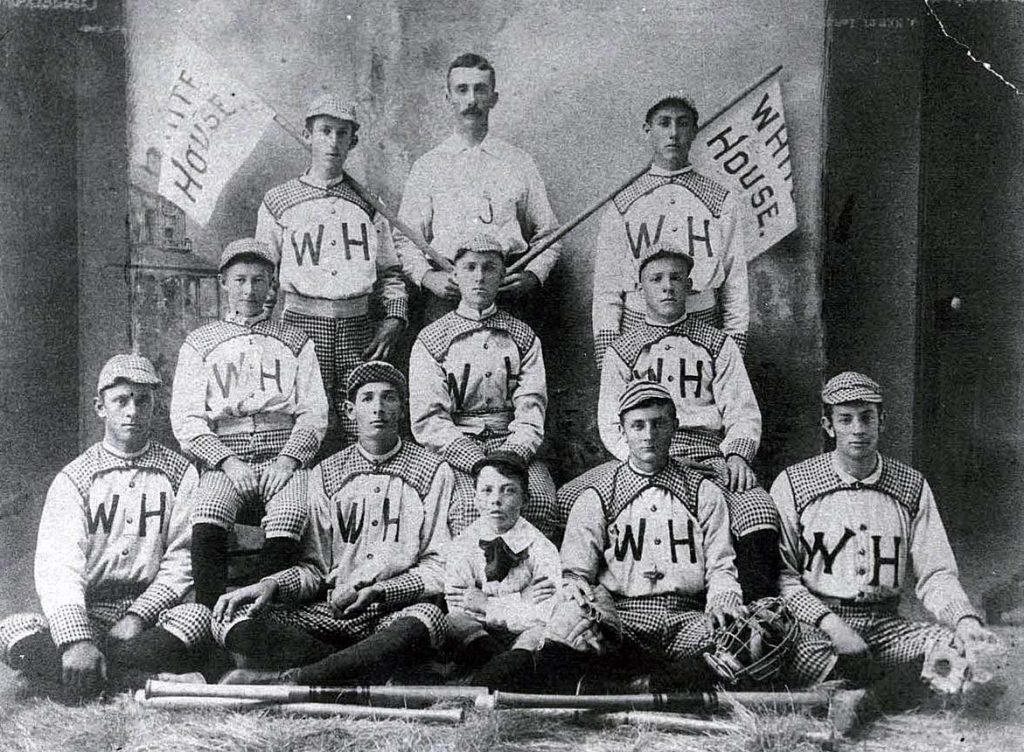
column 482, row 243
column 247, row 247
column 850, row 386
column 127, row 367
column 335, row 106
column 374, row 371
column 640, row 391
column 661, row 249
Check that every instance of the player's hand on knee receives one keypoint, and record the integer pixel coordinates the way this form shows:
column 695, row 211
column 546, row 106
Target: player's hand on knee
column 277, row 475
column 242, row 477
column 844, row 639
column 721, row 617
column 386, row 337
column 259, row 594
column 973, row 635
column 741, row 475
column 365, row 597
column 580, row 591
column 442, row 284
column 341, row 597
column 127, row 627
column 539, row 590
column 83, row 667
column 518, row 284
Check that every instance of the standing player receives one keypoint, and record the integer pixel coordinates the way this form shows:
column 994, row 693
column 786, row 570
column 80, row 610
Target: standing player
column 112, row 563
column 377, row 528
column 474, row 183
column 501, row 573
column 478, row 384
column 671, row 203
column 719, row 419
column 647, row 562
column 334, row 248
column 852, row 522
column 249, row 404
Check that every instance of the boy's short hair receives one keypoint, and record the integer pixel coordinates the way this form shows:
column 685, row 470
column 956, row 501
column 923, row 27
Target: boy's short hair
column 471, row 60
column 509, row 464
column 673, row 99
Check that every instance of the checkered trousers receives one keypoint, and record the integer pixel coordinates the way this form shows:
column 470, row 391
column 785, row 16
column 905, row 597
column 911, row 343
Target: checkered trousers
column 666, row 626
column 189, row 622
column 892, row 641
column 216, row 501
column 318, row 620
column 339, row 345
column 540, row 507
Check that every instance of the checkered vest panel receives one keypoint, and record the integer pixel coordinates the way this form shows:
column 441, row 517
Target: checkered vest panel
column 618, row 485
column 283, row 197
column 709, row 192
column 207, row 337
column 816, row 477
column 96, row 460
column 413, row 464
column 438, row 337
column 631, row 344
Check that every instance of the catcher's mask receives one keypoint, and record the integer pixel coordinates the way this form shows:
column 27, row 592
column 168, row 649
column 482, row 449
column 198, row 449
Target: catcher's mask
column 754, row 648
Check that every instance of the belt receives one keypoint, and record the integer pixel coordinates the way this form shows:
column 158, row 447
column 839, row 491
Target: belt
column 345, row 308
column 255, row 423
column 853, row 606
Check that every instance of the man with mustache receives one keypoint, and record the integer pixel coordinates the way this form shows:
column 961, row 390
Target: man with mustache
column 475, row 183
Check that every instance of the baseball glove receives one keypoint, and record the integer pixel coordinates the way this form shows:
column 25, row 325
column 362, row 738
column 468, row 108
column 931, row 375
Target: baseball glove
column 947, row 668
column 754, row 649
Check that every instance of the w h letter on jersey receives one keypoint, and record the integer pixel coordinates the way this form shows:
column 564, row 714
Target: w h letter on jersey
column 828, row 557
column 308, row 246
column 643, row 237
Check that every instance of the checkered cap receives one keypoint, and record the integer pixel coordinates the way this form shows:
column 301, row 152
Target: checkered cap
column 501, row 456
column 125, row 367
column 660, row 250
column 850, row 386
column 640, row 391
column 335, row 106
column 482, row 243
column 247, row 246
column 372, row 372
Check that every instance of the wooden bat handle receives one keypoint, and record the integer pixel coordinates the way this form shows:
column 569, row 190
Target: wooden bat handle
column 569, row 226
column 418, row 240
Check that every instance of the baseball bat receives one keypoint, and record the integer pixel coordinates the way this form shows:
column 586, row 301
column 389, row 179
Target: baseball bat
column 569, row 226
column 388, row 696
column 700, row 702
column 316, row 709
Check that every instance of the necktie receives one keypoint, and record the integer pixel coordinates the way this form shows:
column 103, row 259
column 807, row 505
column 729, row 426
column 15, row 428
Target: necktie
column 499, row 557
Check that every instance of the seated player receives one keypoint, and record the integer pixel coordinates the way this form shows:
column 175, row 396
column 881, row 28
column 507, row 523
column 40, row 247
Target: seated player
column 377, row 528
column 647, row 563
column 478, row 384
column 719, row 419
column 501, row 573
column 248, row 403
column 112, row 565
column 852, row 522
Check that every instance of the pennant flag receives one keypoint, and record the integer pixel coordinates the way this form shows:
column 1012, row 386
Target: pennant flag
column 745, row 147
column 213, row 123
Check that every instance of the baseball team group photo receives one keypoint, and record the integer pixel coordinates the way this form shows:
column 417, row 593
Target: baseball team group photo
column 521, row 377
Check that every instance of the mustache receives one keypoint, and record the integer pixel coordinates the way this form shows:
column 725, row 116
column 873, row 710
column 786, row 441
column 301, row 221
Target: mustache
column 471, row 110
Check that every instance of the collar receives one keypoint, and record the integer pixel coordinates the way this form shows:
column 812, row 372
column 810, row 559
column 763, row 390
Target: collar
column 474, row 315
column 233, row 318
column 456, row 144
column 310, row 180
column 849, row 480
column 655, row 170
column 644, row 473
column 380, row 459
column 669, row 325
column 517, row 537
column 127, row 456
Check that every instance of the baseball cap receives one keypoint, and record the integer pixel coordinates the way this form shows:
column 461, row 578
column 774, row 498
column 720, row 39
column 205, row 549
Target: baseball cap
column 335, row 106
column 660, row 249
column 247, row 246
column 850, row 386
column 672, row 98
column 372, row 372
column 640, row 391
column 482, row 243
column 126, row 367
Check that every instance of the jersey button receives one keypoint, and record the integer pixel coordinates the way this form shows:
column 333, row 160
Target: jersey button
column 863, row 526
column 654, row 508
column 131, row 484
column 334, row 272
column 374, row 523
column 129, row 520
column 124, row 552
column 334, row 242
column 862, row 552
column 657, row 541
column 862, row 571
column 669, row 378
column 488, row 374
column 377, row 489
column 369, row 556
column 485, row 345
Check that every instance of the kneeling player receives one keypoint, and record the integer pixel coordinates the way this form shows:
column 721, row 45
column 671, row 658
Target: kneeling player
column 501, row 573
column 112, row 562
column 719, row 419
column 850, row 519
column 378, row 513
column 647, row 562
column 478, row 384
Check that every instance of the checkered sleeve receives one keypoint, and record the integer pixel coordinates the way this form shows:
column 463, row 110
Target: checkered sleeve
column 805, row 606
column 734, row 294
column 720, row 578
column 612, row 279
column 188, row 410
column 602, row 341
column 69, row 624
column 310, row 408
column 394, row 297
column 741, row 341
column 741, row 415
column 289, row 584
column 615, row 377
column 938, row 581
